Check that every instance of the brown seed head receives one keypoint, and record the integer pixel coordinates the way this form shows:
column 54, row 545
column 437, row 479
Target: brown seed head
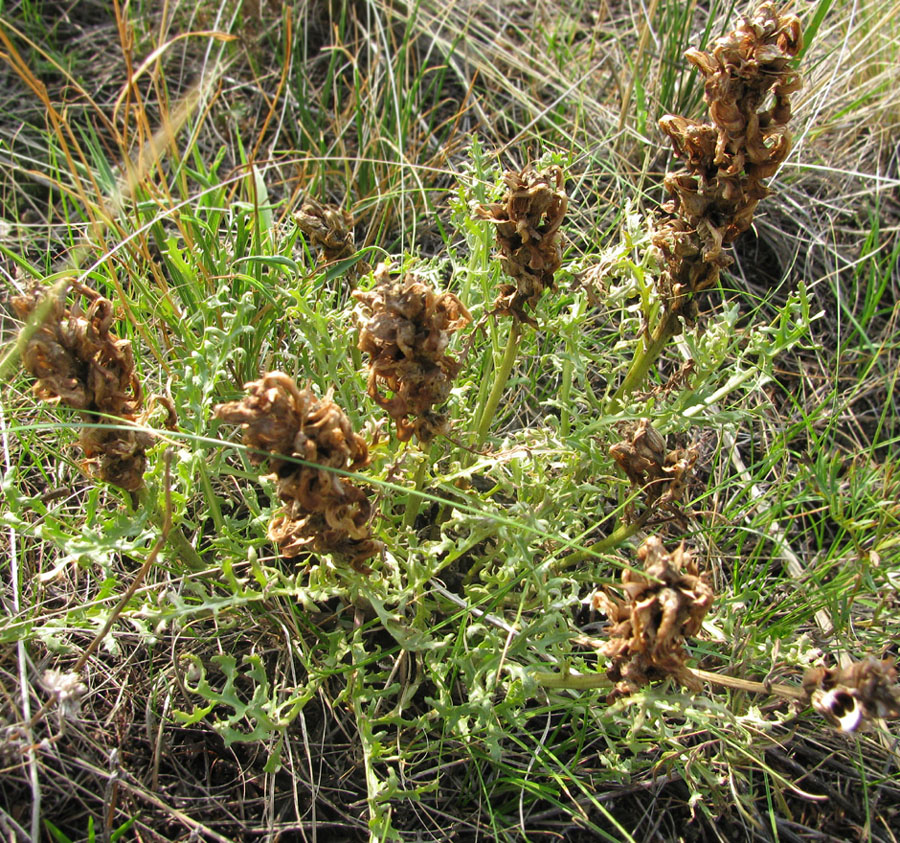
column 661, row 607
column 405, row 328
column 851, row 697
column 715, row 194
column 528, row 221
column 323, row 511
column 649, row 465
column 328, row 227
column 80, row 363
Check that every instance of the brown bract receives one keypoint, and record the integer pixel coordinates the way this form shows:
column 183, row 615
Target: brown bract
column 405, row 328
column 852, row 696
column 79, row 363
column 528, row 221
column 662, row 606
column 748, row 83
column 330, row 229
column 323, row 512
column 661, row 474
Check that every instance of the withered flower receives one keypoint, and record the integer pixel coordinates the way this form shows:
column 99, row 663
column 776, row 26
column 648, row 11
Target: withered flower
column 852, row 696
column 714, row 195
column 661, row 474
column 330, row 229
column 79, row 363
column 323, row 512
column 67, row 689
column 662, row 607
column 528, row 221
column 405, row 328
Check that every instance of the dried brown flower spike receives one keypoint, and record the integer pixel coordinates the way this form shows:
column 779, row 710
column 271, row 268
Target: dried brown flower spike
column 852, row 696
column 405, row 329
column 647, row 462
column 328, row 227
column 528, row 222
column 714, row 195
column 662, row 607
column 78, row 362
column 324, row 512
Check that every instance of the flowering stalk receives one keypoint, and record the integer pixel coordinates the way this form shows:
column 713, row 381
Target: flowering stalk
column 527, row 225
column 725, row 165
column 78, row 362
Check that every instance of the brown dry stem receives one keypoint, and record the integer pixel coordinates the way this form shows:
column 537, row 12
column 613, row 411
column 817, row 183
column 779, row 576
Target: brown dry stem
column 528, row 222
column 405, row 328
column 663, row 606
column 80, row 363
column 324, row 512
column 748, row 83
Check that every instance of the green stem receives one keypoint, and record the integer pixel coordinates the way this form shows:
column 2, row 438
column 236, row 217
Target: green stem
column 176, row 539
column 614, row 539
column 644, row 359
column 413, row 501
column 501, row 376
column 570, row 681
column 585, row 682
column 565, row 392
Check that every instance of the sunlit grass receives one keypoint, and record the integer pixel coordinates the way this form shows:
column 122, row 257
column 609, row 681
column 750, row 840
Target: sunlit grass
column 406, row 702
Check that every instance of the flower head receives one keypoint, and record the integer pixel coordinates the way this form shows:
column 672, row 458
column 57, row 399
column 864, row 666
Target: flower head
column 726, row 161
column 80, row 363
column 662, row 607
column 405, row 328
column 852, row 696
column 323, row 512
column 528, row 221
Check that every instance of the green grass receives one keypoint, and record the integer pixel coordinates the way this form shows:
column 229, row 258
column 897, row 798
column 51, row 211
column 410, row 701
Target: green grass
column 245, row 695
